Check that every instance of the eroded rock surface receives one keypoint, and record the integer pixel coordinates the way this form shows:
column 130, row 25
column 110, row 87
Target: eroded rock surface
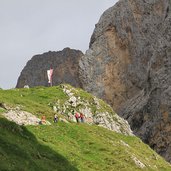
column 128, row 65
column 21, row 117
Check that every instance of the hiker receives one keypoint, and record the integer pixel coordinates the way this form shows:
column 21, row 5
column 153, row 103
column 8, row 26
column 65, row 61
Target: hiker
column 55, row 118
column 43, row 120
column 82, row 117
column 77, row 117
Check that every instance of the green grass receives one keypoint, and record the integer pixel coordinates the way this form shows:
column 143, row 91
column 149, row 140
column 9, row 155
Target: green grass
column 37, row 100
column 40, row 100
column 2, row 110
column 66, row 147
column 20, row 150
column 72, row 146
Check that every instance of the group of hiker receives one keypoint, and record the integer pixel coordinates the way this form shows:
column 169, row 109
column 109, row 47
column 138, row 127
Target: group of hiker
column 79, row 117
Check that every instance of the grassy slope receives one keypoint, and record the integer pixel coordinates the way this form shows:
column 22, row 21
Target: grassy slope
column 65, row 146
column 33, row 100
column 21, row 151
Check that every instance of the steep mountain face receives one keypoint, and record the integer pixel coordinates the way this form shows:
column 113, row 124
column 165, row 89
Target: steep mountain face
column 64, row 63
column 129, row 65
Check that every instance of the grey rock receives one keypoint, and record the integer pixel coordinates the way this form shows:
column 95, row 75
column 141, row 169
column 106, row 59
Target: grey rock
column 128, row 64
column 64, row 63
column 109, row 120
column 22, row 117
column 138, row 162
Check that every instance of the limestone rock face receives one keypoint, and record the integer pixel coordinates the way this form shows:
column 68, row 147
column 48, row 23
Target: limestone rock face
column 21, row 117
column 128, row 64
column 64, row 63
column 93, row 110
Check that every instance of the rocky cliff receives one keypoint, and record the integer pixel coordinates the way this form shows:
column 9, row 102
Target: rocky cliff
column 64, row 63
column 129, row 65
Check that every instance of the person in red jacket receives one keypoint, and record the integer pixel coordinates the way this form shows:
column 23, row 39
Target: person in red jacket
column 43, row 120
column 77, row 117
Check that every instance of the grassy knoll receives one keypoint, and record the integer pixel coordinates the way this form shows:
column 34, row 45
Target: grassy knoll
column 66, row 146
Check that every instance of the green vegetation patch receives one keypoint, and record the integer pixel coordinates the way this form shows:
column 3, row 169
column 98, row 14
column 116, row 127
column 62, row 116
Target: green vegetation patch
column 34, row 100
column 64, row 146
column 20, row 150
column 2, row 110
column 72, row 146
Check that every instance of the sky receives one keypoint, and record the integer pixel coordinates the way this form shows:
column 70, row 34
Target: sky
column 31, row 27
